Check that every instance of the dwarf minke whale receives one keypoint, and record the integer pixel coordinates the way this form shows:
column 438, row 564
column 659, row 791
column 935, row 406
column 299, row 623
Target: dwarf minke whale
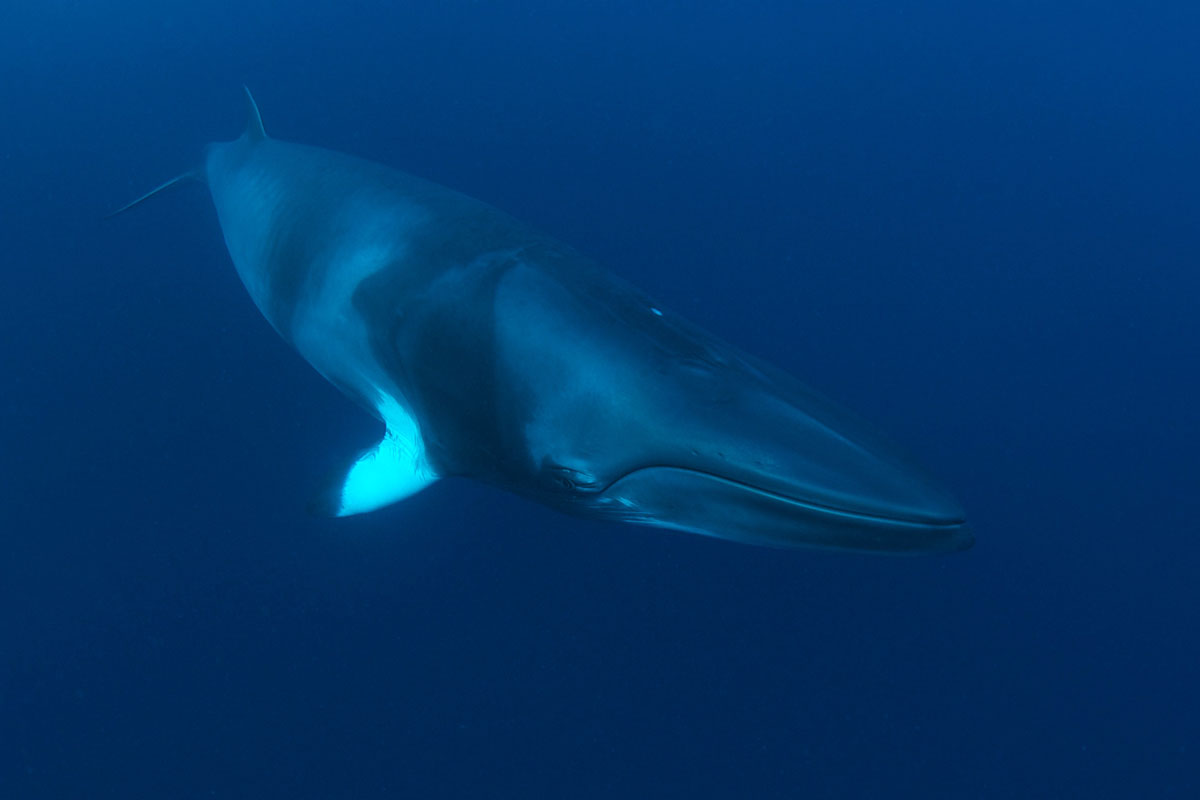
column 491, row 351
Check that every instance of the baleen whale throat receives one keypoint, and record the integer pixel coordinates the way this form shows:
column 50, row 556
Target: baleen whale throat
column 491, row 351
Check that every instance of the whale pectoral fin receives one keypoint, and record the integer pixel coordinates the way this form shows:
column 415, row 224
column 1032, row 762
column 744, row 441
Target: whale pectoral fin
column 387, row 473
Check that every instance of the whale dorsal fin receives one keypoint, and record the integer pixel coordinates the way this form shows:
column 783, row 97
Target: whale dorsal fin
column 254, row 128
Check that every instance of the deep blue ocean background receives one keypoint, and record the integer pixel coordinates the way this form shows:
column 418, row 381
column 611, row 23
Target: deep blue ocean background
column 974, row 224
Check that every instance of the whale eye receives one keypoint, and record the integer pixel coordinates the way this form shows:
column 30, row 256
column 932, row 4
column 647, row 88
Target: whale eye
column 572, row 479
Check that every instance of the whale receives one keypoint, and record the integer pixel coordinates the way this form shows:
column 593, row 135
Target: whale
column 491, row 351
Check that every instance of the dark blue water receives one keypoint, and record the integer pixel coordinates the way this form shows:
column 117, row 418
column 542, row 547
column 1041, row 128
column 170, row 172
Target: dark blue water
column 975, row 224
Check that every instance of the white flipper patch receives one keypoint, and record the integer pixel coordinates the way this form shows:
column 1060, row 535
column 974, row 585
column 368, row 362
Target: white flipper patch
column 389, row 472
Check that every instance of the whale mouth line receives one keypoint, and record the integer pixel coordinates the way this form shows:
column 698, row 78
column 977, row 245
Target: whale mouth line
column 946, row 523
